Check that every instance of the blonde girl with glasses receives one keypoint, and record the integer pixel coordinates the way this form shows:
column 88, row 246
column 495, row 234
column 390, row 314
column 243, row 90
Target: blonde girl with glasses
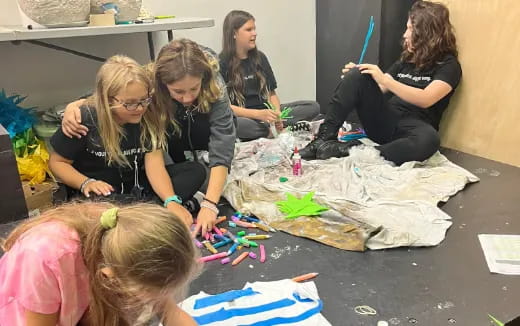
column 121, row 154
column 97, row 264
column 191, row 98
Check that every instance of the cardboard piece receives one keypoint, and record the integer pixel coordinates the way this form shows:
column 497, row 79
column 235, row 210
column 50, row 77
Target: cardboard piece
column 102, row 20
column 39, row 196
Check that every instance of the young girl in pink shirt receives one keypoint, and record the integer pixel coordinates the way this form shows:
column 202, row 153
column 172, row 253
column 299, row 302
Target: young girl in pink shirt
column 96, row 264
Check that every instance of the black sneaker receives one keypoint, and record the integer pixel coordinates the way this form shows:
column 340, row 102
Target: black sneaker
column 334, row 148
column 301, row 126
column 325, row 133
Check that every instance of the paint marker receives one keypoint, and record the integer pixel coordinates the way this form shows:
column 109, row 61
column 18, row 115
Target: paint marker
column 222, row 243
column 240, row 258
column 209, row 246
column 197, row 243
column 244, row 242
column 221, row 237
column 262, row 227
column 231, row 236
column 252, row 243
column 232, row 224
column 252, row 255
column 206, row 236
column 225, row 260
column 164, row 17
column 232, row 249
column 262, row 253
column 241, row 233
column 249, row 218
column 212, row 257
column 223, row 230
column 257, row 237
column 217, row 230
column 244, row 224
column 304, row 277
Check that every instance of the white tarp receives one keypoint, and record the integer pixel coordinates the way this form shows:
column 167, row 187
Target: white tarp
column 400, row 202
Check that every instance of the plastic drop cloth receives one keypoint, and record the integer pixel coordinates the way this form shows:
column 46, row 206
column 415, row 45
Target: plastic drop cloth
column 373, row 204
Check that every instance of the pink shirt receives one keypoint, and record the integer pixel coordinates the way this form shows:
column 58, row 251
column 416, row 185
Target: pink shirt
column 44, row 272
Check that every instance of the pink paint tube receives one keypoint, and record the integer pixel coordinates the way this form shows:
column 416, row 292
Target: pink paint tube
column 212, row 257
column 262, row 253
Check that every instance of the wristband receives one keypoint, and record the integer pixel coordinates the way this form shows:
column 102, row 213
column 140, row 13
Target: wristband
column 85, row 183
column 173, row 198
column 210, row 201
column 210, row 207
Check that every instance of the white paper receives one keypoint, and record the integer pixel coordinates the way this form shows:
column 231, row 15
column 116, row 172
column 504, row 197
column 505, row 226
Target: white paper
column 502, row 253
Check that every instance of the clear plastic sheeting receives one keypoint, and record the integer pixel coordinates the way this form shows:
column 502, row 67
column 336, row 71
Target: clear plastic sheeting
column 373, row 203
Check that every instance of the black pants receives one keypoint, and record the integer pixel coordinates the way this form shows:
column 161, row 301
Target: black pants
column 402, row 137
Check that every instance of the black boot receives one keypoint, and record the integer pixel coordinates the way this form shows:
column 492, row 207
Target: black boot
column 324, row 133
column 334, row 148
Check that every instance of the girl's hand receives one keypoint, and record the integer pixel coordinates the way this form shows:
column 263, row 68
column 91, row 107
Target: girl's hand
column 71, row 123
column 267, row 115
column 98, row 187
column 374, row 71
column 205, row 221
column 181, row 212
column 347, row 68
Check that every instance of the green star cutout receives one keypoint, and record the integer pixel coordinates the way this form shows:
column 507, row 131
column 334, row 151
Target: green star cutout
column 294, row 207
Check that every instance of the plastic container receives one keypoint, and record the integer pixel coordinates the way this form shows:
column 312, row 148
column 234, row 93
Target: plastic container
column 44, row 131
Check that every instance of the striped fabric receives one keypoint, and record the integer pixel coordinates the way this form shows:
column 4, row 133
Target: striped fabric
column 259, row 304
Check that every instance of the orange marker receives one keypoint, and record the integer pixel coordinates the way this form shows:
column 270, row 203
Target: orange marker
column 305, row 277
column 240, row 258
column 220, row 219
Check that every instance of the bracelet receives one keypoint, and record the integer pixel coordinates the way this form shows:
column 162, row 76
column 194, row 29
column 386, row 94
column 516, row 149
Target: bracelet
column 173, row 198
column 85, row 183
column 210, row 207
column 209, row 201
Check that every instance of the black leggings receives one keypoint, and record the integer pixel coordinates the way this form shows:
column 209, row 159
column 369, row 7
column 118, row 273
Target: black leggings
column 402, row 137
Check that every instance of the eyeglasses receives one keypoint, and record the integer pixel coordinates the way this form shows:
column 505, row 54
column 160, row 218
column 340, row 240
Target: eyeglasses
column 133, row 106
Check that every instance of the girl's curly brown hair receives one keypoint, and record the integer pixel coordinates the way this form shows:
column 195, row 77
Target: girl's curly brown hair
column 432, row 35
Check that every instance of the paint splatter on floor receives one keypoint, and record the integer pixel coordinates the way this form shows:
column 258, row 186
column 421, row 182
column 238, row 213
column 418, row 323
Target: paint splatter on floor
column 445, row 305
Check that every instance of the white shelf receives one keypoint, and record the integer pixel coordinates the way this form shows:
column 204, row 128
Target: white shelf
column 20, row 33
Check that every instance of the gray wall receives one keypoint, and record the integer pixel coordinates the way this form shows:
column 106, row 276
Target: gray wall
column 341, row 26
column 286, row 33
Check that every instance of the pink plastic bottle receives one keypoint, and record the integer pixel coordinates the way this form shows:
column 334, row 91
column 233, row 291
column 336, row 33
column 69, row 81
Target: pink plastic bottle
column 296, row 163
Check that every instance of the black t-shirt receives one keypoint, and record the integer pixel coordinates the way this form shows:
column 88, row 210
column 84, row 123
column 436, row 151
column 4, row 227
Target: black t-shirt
column 252, row 95
column 447, row 70
column 89, row 155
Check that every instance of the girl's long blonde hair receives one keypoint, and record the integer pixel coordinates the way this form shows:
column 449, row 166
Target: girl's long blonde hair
column 112, row 78
column 176, row 60
column 148, row 251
